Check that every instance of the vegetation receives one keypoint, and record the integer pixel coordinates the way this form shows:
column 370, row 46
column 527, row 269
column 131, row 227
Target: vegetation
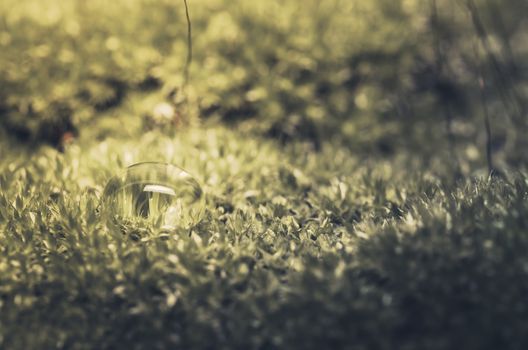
column 363, row 166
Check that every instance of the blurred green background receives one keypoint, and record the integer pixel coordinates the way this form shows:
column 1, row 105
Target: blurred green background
column 381, row 77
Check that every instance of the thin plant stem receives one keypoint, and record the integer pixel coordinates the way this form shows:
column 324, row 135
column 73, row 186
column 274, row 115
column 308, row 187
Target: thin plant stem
column 485, row 111
column 189, row 45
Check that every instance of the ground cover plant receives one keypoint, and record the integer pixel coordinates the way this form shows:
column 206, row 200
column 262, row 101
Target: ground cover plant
column 363, row 165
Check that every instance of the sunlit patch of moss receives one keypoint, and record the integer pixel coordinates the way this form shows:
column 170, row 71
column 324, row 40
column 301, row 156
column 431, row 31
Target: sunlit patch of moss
column 288, row 235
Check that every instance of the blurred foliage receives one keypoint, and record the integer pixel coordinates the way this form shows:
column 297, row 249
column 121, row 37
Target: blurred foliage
column 65, row 61
column 379, row 76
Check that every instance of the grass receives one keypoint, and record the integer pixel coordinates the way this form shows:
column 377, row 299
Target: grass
column 333, row 217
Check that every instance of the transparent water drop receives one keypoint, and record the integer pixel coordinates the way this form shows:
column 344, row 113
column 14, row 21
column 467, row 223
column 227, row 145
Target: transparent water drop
column 155, row 194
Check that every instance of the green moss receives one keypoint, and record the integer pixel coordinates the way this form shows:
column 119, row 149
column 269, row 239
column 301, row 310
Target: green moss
column 296, row 250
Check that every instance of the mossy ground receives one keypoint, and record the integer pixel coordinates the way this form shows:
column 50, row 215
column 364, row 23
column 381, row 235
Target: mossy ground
column 322, row 230
column 297, row 250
